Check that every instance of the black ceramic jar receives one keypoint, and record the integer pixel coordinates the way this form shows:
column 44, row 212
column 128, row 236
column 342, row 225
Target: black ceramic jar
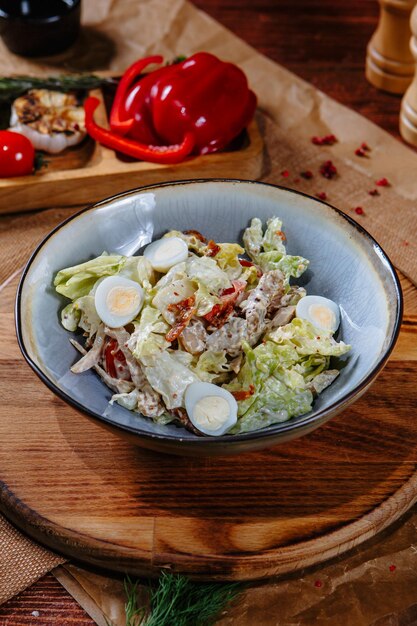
column 39, row 27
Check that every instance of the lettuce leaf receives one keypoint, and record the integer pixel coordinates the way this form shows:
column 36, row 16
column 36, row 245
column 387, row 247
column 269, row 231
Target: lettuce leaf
column 258, row 365
column 276, row 403
column 78, row 280
column 81, row 313
column 228, row 259
column 205, row 300
column 307, row 339
column 268, row 250
column 253, row 239
column 170, row 378
column 172, row 293
column 272, row 239
column 148, row 338
column 211, row 365
column 206, row 272
column 291, row 265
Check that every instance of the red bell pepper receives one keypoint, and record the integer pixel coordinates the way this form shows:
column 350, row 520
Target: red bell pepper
column 154, row 154
column 204, row 96
column 198, row 105
column 120, row 120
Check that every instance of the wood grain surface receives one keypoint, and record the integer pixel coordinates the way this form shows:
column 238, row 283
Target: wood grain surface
column 324, row 42
column 86, row 493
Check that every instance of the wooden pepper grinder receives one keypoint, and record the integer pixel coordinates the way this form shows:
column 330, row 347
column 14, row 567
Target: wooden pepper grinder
column 389, row 62
column 408, row 114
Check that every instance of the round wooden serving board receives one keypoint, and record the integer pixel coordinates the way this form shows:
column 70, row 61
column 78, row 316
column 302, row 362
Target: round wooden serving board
column 86, row 493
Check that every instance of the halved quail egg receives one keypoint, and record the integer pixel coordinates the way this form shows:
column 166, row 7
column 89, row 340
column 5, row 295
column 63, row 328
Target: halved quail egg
column 211, row 409
column 165, row 253
column 118, row 300
column 321, row 312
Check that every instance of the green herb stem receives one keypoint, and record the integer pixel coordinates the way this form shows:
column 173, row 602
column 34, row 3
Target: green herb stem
column 12, row 87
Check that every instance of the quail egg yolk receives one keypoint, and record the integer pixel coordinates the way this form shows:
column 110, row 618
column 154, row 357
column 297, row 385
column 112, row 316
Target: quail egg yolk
column 211, row 412
column 323, row 316
column 122, row 300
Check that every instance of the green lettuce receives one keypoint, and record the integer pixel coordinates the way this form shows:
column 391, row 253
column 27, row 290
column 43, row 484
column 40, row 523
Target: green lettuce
column 268, row 250
column 148, row 338
column 169, row 378
column 206, row 272
column 228, row 259
column 277, row 402
column 77, row 281
column 81, row 313
column 258, row 365
column 307, row 339
column 253, row 239
column 272, row 239
column 204, row 299
column 210, row 365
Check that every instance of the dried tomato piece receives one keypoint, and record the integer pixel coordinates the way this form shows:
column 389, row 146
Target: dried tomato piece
column 322, row 195
column 212, row 248
column 196, row 234
column 308, row 174
column 221, row 312
column 244, row 394
column 184, row 311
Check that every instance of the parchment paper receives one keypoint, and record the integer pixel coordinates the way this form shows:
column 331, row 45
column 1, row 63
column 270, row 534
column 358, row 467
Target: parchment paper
column 375, row 585
column 359, row 589
column 117, row 33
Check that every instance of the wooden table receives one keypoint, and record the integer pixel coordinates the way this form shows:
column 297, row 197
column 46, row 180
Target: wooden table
column 322, row 41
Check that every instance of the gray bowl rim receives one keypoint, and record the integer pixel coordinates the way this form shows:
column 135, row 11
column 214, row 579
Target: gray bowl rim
column 277, row 429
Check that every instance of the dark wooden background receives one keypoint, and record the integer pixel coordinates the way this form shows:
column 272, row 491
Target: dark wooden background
column 324, row 42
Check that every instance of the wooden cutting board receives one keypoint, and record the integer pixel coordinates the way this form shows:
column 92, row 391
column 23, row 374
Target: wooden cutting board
column 89, row 172
column 82, row 491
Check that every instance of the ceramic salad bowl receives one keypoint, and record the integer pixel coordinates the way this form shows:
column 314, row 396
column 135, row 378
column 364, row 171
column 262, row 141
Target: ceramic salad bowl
column 346, row 265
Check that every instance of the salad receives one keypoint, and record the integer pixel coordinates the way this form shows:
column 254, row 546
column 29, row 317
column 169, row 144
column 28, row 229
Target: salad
column 194, row 332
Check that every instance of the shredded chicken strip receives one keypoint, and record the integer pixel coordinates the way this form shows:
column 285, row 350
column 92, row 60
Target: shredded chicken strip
column 283, row 316
column 92, row 357
column 229, row 337
column 149, row 400
column 262, row 301
column 194, row 336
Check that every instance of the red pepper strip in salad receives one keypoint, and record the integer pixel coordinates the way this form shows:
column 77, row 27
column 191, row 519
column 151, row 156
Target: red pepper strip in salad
column 220, row 313
column 135, row 149
column 120, row 121
column 113, row 357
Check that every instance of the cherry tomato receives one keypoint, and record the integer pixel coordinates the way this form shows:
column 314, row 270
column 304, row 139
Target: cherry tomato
column 17, row 155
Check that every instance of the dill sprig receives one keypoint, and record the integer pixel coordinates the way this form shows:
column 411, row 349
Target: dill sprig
column 13, row 86
column 176, row 600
